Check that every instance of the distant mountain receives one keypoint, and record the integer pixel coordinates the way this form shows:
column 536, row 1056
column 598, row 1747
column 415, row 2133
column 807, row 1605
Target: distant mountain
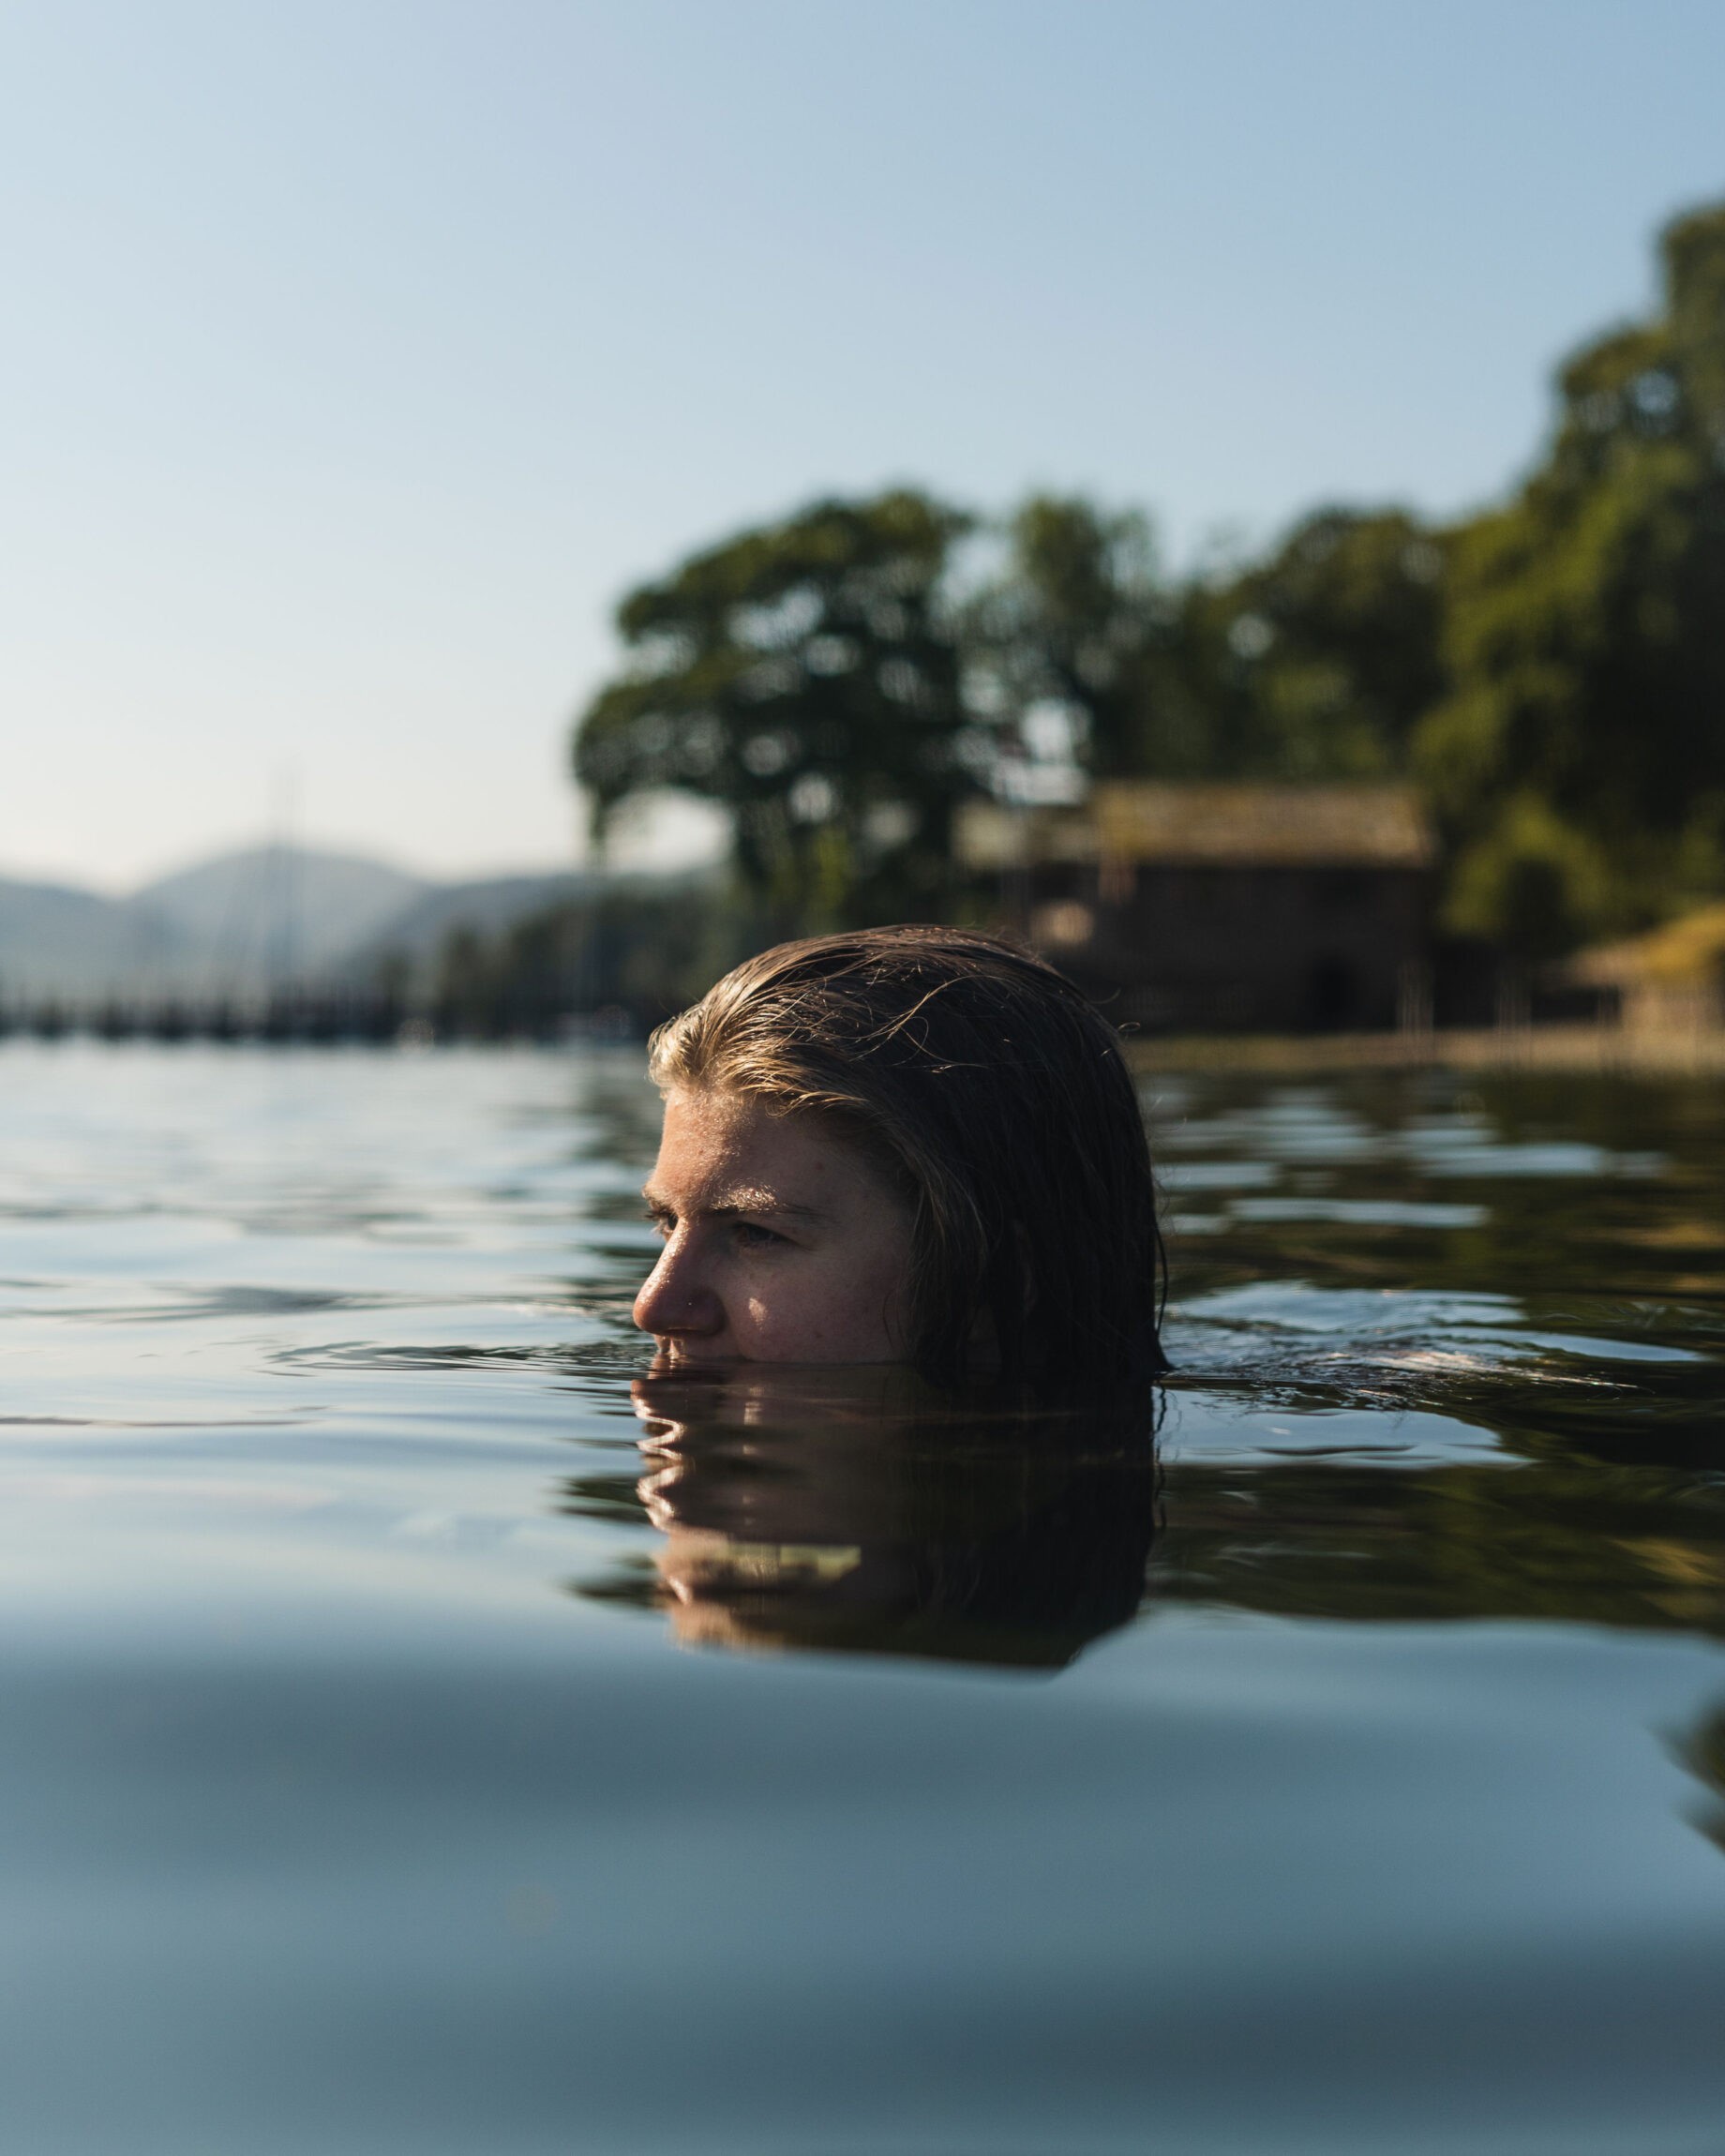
column 234, row 924
column 56, row 940
column 277, row 910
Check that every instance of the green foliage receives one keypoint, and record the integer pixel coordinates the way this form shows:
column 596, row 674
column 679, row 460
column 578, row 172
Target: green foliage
column 1076, row 629
column 1551, row 672
column 817, row 678
column 1317, row 663
column 806, row 677
column 1313, row 665
column 1578, row 763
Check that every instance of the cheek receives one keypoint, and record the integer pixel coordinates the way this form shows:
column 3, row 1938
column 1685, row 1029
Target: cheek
column 846, row 1308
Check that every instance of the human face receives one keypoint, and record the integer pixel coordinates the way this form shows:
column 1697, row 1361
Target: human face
column 781, row 1244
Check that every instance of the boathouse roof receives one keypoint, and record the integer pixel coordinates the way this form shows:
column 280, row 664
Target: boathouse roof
column 1204, row 824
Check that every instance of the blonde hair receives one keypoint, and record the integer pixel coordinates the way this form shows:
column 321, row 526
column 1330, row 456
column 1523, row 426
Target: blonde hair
column 995, row 1098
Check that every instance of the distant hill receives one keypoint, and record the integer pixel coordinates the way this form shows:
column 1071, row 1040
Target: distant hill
column 233, row 924
column 281, row 910
column 56, row 940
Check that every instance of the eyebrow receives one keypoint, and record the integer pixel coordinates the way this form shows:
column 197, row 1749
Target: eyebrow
column 733, row 1203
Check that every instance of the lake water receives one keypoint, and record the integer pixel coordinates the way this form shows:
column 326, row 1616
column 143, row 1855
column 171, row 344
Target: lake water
column 414, row 1741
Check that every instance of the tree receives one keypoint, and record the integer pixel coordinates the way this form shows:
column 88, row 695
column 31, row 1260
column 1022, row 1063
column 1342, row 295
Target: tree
column 1068, row 647
column 1317, row 663
column 1578, row 763
column 805, row 676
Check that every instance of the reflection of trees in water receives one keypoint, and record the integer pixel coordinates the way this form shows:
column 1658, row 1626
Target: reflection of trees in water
column 1544, row 1237
column 1603, row 1505
column 856, row 1510
column 1563, row 1541
column 860, row 1511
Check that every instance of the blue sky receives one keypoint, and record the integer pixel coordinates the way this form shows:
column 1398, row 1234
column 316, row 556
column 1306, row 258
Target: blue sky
column 358, row 356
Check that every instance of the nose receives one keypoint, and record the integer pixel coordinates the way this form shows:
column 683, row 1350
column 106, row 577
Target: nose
column 677, row 1300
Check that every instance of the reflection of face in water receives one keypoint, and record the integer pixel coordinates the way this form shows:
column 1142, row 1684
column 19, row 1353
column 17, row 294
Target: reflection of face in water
column 860, row 1509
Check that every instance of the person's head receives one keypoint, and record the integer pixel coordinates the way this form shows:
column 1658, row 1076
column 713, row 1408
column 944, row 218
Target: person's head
column 913, row 1144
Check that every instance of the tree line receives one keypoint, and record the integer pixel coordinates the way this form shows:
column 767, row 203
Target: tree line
column 1549, row 673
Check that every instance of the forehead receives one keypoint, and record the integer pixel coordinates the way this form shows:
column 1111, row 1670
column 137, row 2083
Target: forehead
column 719, row 1148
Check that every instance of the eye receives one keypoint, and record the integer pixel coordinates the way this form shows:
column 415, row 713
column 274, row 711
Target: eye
column 663, row 1223
column 750, row 1236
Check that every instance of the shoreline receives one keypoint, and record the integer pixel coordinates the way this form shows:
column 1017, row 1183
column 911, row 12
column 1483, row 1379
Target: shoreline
column 1687, row 1052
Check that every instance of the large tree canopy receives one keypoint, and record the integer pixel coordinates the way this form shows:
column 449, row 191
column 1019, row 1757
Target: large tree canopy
column 1551, row 672
column 1313, row 664
column 1316, row 662
column 816, row 678
column 805, row 676
column 1579, row 763
column 1075, row 630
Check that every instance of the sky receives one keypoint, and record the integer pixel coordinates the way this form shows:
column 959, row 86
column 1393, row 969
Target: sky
column 359, row 356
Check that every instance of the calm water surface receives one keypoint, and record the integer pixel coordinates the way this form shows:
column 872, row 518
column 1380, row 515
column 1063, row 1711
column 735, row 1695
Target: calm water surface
column 417, row 1739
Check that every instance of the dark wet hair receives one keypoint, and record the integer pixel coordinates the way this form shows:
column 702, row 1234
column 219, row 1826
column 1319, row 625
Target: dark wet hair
column 997, row 1100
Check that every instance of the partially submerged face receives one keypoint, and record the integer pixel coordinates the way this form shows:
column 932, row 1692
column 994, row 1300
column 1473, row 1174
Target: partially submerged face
column 782, row 1244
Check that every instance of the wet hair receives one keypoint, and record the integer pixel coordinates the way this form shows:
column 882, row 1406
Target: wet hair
column 996, row 1099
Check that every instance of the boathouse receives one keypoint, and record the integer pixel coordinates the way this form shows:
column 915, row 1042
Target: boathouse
column 1198, row 907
